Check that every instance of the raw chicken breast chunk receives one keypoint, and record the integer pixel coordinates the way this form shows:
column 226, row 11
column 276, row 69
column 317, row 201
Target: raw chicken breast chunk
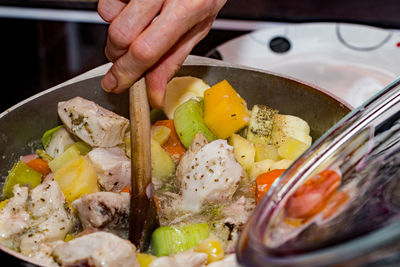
column 92, row 123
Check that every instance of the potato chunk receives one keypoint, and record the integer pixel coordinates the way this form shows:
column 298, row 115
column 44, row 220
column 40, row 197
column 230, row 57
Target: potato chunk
column 243, row 150
column 76, row 178
column 162, row 164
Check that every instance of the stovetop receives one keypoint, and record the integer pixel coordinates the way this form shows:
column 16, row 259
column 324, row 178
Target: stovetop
column 384, row 13
column 58, row 4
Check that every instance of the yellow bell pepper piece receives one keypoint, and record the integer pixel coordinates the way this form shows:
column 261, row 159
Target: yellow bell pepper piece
column 225, row 112
column 4, row 203
column 76, row 178
column 213, row 248
column 145, row 259
column 69, row 237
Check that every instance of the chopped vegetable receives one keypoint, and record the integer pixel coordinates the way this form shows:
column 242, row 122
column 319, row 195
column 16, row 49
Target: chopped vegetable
column 145, row 259
column 68, row 155
column 292, row 148
column 282, row 164
column 212, row 247
column 81, row 146
column 160, row 133
column 68, row 237
column 48, row 134
column 76, row 178
column 43, row 155
column 289, row 121
column 264, row 151
column 260, row 167
column 188, row 121
column 40, row 166
column 181, row 89
column 291, row 135
column 20, row 174
column 156, row 203
column 173, row 146
column 162, row 165
column 59, row 139
column 168, row 240
column 225, row 112
column 312, row 196
column 127, row 189
column 3, row 203
column 260, row 126
column 243, row 150
column 26, row 158
column 265, row 180
column 337, row 200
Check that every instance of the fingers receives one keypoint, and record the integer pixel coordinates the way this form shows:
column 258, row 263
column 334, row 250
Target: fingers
column 137, row 45
column 149, row 47
column 110, row 9
column 133, row 19
column 158, row 76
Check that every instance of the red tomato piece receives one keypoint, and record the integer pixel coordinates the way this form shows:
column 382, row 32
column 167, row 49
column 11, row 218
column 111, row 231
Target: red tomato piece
column 334, row 203
column 311, row 197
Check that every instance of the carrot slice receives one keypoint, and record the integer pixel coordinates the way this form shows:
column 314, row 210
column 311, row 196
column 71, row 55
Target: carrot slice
column 126, row 189
column 173, row 146
column 265, row 180
column 157, row 203
column 39, row 165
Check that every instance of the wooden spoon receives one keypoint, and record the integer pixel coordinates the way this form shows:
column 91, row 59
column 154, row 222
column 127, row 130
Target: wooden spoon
column 143, row 217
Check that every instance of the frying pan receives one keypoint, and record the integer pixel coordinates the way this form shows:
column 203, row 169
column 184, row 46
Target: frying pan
column 22, row 126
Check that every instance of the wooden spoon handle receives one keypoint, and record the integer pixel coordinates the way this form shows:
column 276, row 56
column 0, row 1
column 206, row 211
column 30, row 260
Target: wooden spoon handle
column 143, row 213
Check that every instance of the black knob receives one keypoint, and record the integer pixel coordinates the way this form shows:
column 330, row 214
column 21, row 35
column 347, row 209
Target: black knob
column 279, row 44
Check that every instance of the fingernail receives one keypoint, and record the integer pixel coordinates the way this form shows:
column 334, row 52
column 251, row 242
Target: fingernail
column 109, row 82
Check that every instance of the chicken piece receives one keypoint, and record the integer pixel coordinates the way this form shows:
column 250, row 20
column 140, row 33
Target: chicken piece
column 51, row 218
column 96, row 249
column 198, row 142
column 228, row 261
column 230, row 222
column 105, row 210
column 211, row 175
column 14, row 219
column 92, row 123
column 43, row 256
column 112, row 166
column 187, row 258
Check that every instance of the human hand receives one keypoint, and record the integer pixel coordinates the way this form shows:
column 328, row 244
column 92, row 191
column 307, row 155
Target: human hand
column 152, row 37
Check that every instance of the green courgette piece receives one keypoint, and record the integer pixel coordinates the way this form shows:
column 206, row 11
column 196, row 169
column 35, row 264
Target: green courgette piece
column 81, row 146
column 21, row 174
column 167, row 240
column 68, row 155
column 48, row 134
column 43, row 155
column 189, row 120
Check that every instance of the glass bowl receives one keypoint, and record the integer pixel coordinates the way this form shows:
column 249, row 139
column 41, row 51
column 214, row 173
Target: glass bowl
column 339, row 203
